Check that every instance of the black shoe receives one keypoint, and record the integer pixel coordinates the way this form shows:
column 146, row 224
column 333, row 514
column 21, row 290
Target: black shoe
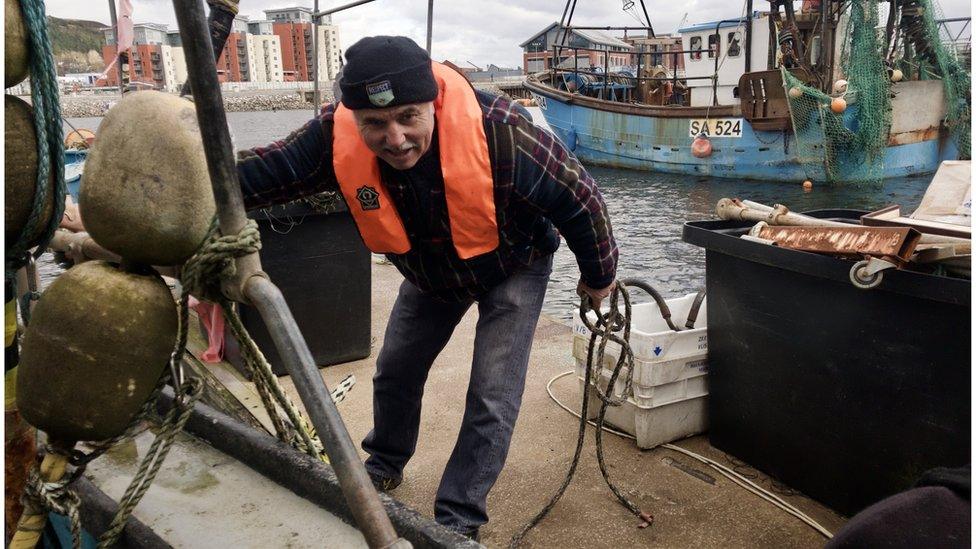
column 471, row 534
column 383, row 484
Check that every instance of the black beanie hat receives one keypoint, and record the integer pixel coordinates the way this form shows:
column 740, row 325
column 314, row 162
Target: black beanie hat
column 386, row 71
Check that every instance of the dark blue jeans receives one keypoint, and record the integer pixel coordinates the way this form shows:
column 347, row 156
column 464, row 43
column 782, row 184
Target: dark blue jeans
column 419, row 328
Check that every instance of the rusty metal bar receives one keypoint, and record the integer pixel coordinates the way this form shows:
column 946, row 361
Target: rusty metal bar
column 855, row 241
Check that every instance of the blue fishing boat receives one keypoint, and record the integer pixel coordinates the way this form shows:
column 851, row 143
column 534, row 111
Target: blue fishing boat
column 830, row 103
column 74, row 165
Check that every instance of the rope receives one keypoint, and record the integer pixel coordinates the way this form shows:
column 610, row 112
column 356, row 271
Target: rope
column 605, row 331
column 40, row 496
column 201, row 277
column 50, row 148
column 173, row 423
column 733, row 474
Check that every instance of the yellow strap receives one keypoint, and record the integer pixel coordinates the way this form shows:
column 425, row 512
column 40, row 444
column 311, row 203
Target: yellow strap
column 10, row 390
column 10, row 322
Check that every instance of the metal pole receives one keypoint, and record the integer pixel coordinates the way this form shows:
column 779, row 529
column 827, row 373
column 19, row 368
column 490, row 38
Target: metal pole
column 316, row 98
column 340, row 8
column 253, row 285
column 749, row 35
column 430, row 23
column 115, row 36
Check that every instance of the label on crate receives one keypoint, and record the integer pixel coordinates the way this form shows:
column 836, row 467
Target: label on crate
column 703, row 342
column 700, row 365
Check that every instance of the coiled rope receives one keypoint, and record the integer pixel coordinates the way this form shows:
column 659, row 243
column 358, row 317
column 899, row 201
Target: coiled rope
column 602, row 332
column 47, row 126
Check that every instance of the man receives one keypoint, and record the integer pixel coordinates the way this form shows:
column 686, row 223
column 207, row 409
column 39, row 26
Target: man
column 461, row 192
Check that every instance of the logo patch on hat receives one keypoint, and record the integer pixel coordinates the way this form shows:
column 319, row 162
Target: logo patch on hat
column 368, row 198
column 380, row 93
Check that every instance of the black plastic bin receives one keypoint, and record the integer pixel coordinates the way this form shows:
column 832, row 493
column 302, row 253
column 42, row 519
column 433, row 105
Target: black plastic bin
column 845, row 394
column 322, row 267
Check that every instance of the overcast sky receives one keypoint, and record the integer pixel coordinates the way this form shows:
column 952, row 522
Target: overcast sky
column 480, row 32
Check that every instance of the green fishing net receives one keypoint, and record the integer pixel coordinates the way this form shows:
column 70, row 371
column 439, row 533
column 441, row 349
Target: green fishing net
column 850, row 146
column 934, row 60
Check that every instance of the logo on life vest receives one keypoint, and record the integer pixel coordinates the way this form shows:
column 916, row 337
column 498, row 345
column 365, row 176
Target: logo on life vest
column 368, row 198
column 380, row 94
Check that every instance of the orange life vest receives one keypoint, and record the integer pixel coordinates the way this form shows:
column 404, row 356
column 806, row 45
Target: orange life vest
column 465, row 166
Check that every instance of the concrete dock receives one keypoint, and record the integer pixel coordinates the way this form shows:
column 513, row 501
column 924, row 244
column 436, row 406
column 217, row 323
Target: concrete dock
column 693, row 505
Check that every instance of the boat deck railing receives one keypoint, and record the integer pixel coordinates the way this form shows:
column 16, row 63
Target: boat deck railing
column 618, row 86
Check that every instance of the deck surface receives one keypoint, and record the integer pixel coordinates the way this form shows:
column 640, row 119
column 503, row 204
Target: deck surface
column 202, row 498
column 694, row 506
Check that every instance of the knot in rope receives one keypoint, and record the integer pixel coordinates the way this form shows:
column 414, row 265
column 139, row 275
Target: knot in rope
column 214, row 261
column 41, row 496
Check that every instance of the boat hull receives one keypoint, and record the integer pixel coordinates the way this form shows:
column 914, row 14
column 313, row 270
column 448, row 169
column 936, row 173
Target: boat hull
column 663, row 144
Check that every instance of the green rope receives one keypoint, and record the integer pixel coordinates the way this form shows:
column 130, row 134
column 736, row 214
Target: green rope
column 50, row 148
column 59, row 497
column 201, row 277
column 171, row 426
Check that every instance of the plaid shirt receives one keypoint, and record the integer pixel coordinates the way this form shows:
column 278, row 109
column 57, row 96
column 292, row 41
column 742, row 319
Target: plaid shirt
column 539, row 187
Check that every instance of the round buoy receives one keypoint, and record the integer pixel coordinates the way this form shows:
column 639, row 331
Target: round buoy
column 20, row 165
column 701, row 147
column 14, row 44
column 79, row 139
column 808, row 185
column 897, row 75
column 838, row 105
column 796, row 92
column 840, row 86
column 95, row 348
column 146, row 192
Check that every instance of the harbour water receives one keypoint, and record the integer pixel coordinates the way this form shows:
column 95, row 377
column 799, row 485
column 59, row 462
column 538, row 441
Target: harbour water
column 647, row 210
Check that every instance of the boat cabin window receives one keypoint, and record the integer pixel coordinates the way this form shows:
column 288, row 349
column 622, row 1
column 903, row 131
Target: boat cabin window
column 713, row 45
column 696, row 47
column 735, row 41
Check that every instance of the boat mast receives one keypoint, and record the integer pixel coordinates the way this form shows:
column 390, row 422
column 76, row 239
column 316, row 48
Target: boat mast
column 115, row 37
column 749, row 34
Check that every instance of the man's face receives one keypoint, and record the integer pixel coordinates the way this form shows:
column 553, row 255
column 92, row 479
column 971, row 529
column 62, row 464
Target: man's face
column 398, row 135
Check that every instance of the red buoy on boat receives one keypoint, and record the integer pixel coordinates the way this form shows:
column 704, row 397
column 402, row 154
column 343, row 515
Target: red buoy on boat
column 701, row 147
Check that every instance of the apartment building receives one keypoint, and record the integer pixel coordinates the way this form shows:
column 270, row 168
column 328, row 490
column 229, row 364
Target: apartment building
column 293, row 26
column 150, row 59
column 276, row 49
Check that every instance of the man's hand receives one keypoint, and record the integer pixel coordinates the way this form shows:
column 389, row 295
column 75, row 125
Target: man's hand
column 596, row 295
column 71, row 219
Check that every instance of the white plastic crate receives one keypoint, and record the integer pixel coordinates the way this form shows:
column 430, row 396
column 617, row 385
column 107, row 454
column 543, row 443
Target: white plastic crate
column 653, row 425
column 670, row 373
column 661, row 355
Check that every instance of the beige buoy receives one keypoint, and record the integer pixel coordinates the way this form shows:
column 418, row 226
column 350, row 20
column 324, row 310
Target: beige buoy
column 14, row 44
column 796, row 92
column 838, row 105
column 897, row 75
column 840, row 86
column 146, row 193
column 95, row 348
column 79, row 139
column 808, row 185
column 20, row 171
